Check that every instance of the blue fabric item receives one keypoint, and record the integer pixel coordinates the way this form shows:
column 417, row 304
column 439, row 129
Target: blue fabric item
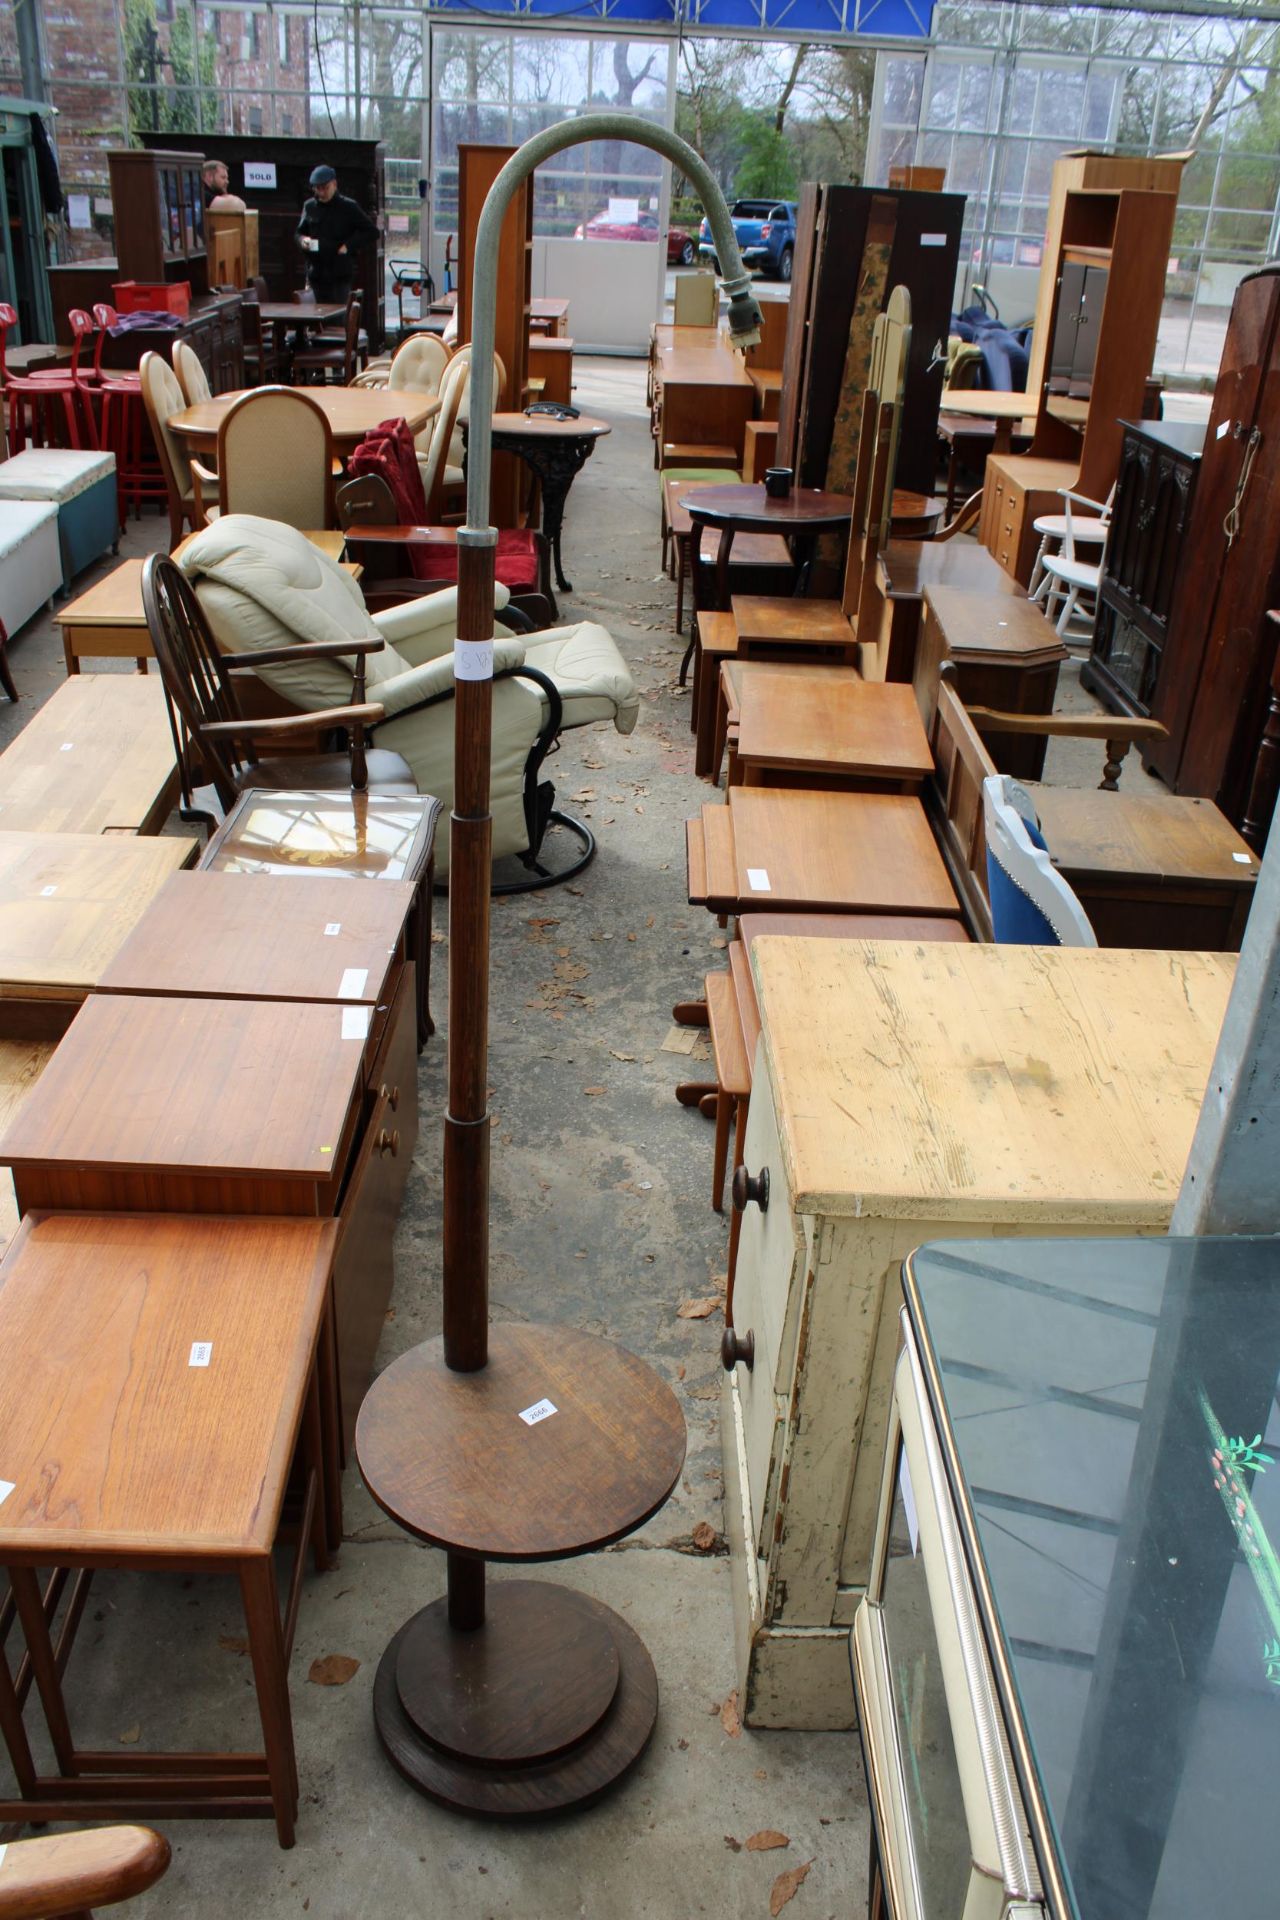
column 1005, row 350
column 1015, row 920
column 146, row 317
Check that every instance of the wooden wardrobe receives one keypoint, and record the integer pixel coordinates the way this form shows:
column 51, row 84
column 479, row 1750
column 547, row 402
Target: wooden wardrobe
column 1212, row 692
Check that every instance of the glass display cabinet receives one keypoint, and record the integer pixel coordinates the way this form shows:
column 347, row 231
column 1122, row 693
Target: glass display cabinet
column 1068, row 1657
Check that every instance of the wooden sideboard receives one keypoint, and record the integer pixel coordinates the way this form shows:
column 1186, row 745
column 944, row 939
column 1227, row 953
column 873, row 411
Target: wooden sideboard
column 905, row 1093
column 213, row 328
column 1151, row 519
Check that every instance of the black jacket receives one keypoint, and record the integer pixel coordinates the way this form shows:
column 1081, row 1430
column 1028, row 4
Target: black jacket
column 334, row 223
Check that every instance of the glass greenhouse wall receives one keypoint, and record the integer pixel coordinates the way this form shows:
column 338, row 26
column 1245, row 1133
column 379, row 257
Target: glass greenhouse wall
column 994, row 95
column 1003, row 89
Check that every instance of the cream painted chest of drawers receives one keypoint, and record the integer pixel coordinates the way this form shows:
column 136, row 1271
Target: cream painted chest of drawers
column 904, row 1093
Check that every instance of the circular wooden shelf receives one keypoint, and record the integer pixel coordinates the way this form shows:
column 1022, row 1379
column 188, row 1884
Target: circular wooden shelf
column 468, row 1692
column 508, row 1694
column 447, row 1456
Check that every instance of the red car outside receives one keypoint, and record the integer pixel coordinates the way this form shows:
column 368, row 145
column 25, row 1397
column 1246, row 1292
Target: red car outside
column 681, row 248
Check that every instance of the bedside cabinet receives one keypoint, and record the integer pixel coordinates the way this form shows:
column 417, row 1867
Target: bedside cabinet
column 905, row 1093
column 1017, row 489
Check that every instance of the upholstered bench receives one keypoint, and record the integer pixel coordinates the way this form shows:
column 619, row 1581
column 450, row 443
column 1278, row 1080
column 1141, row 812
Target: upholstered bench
column 83, row 488
column 30, row 568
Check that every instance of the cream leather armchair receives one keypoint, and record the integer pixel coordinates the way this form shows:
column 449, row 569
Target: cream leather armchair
column 262, row 585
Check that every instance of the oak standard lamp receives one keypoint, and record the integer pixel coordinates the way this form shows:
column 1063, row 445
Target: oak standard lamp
column 520, row 1443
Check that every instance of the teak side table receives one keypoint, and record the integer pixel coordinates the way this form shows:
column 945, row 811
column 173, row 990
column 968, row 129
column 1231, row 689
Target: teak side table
column 169, row 1372
column 159, row 1103
column 561, row 1443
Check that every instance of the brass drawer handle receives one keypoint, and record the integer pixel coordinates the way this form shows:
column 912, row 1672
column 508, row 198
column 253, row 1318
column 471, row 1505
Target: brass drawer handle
column 391, row 1095
column 748, row 1187
column 737, row 1346
column 389, row 1142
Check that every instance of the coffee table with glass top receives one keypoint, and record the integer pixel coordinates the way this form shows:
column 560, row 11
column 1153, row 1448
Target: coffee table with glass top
column 367, row 836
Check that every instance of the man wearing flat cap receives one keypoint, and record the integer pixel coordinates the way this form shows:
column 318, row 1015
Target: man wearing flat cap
column 331, row 229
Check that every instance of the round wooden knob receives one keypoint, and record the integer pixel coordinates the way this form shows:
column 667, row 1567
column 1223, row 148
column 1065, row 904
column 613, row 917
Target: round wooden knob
column 389, row 1142
column 391, row 1095
column 751, row 1186
column 736, row 1346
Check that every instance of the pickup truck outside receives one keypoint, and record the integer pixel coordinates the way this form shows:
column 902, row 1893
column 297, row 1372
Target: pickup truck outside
column 766, row 234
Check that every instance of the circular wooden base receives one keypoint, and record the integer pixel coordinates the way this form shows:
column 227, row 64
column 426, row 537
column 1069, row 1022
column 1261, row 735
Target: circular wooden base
column 542, row 1709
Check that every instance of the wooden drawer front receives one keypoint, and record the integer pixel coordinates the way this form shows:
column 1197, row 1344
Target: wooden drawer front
column 769, row 1281
column 394, row 1076
column 363, row 1272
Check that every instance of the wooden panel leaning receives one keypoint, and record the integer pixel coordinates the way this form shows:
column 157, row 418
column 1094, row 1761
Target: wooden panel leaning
column 174, row 1369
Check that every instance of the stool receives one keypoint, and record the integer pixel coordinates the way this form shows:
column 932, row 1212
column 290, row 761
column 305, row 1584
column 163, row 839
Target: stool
column 125, row 431
column 38, row 405
column 170, row 1365
column 83, row 488
column 688, row 476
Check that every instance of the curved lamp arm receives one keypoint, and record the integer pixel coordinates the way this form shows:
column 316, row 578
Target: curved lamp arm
column 744, row 312
column 466, row 1129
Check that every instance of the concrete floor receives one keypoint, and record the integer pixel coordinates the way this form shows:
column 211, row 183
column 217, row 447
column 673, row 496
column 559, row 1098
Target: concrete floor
column 601, row 1220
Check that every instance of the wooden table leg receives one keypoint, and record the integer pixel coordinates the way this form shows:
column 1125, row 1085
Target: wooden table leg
column 266, row 1650
column 35, row 1630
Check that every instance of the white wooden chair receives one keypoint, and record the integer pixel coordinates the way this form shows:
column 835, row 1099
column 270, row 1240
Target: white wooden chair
column 1060, row 576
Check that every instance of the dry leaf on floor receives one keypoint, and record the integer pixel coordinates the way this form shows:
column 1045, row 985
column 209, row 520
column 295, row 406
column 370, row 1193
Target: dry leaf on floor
column 592, row 1090
column 334, row 1670
column 131, row 1736
column 766, row 1840
column 232, row 1643
column 621, row 1056
column 729, row 1719
column 734, row 1846
column 786, row 1886
column 697, row 1309
column 704, row 1538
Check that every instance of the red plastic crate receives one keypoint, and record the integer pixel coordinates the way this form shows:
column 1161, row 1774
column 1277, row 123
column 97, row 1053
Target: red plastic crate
column 146, row 296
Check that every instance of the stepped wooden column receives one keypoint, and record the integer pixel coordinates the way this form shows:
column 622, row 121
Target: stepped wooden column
column 517, row 1443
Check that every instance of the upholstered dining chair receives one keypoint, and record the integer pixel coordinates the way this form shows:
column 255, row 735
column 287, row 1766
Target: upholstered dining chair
column 459, row 369
column 192, row 378
column 162, row 396
column 418, row 366
column 275, row 459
